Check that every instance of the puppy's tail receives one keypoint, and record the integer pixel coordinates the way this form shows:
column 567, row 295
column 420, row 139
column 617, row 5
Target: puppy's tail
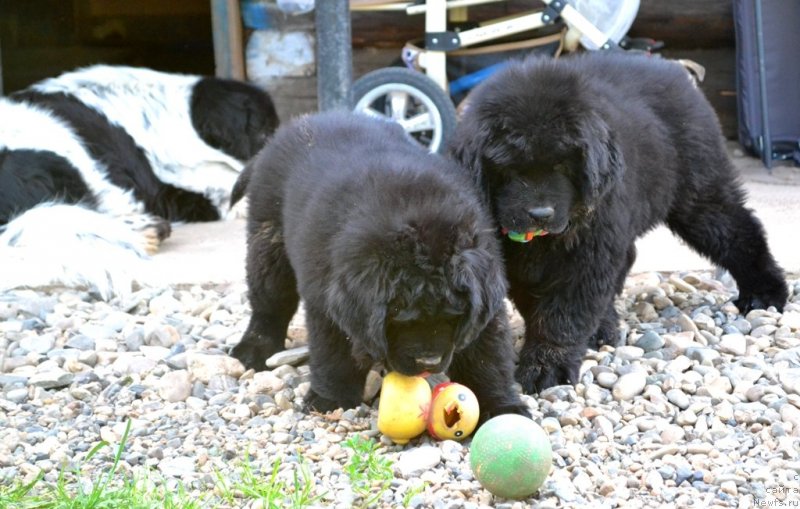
column 240, row 187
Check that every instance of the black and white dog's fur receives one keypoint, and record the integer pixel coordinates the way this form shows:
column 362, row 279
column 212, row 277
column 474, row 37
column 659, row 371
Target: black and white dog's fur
column 96, row 163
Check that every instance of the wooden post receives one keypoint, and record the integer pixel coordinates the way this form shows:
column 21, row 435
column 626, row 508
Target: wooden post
column 226, row 25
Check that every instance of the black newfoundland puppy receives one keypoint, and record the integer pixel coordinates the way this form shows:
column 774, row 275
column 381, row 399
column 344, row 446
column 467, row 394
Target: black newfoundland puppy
column 580, row 156
column 392, row 253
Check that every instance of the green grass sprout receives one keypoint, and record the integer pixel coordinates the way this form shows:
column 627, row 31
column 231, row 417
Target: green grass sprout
column 369, row 471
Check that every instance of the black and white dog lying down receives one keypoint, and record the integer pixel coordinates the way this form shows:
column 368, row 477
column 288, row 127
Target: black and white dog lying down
column 95, row 164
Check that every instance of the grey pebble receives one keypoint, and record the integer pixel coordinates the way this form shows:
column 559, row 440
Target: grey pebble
column 666, row 472
column 734, row 344
column 291, row 357
column 705, row 356
column 413, row 461
column 97, row 331
column 678, row 398
column 7, row 380
column 81, row 342
column 17, row 395
column 606, row 379
column 177, row 361
column 650, row 341
column 628, row 353
column 51, row 379
column 38, row 343
column 135, row 340
column 629, row 385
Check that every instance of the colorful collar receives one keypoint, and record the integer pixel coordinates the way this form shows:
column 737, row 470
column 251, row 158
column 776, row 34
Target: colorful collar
column 523, row 236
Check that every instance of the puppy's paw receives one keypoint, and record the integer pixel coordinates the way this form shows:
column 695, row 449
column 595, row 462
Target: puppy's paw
column 251, row 353
column 314, row 402
column 543, row 367
column 607, row 334
column 748, row 301
column 153, row 230
column 535, row 379
column 154, row 234
column 608, row 331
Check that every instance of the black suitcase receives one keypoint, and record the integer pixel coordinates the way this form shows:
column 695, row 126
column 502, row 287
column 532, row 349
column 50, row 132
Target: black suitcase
column 768, row 77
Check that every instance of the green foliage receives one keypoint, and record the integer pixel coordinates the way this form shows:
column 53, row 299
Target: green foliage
column 411, row 492
column 272, row 492
column 115, row 490
column 19, row 495
column 369, row 471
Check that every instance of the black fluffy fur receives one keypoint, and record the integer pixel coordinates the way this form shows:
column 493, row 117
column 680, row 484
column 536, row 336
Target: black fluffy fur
column 31, row 177
column 124, row 160
column 232, row 116
column 598, row 149
column 392, row 253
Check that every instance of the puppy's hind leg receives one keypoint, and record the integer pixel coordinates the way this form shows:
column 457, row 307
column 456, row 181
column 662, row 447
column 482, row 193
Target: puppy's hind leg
column 272, row 290
column 178, row 204
column 608, row 333
column 337, row 379
column 721, row 228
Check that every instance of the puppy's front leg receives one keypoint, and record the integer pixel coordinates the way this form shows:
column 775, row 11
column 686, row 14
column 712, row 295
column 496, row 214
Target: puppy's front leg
column 337, row 380
column 486, row 366
column 558, row 327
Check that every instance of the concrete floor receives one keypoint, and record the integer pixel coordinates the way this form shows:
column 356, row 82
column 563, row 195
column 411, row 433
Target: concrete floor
column 215, row 252
column 773, row 194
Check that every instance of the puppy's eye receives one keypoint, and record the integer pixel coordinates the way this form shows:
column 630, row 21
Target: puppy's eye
column 499, row 169
column 404, row 315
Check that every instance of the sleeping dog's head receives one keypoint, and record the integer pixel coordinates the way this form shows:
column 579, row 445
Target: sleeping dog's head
column 535, row 140
column 418, row 277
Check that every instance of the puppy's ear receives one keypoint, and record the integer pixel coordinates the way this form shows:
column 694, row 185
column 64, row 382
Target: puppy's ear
column 469, row 145
column 602, row 158
column 479, row 273
column 356, row 302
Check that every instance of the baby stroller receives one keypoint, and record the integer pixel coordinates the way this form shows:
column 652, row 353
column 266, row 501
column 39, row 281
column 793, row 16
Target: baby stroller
column 439, row 71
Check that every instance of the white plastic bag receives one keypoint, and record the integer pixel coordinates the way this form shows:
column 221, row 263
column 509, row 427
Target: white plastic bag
column 612, row 17
column 296, row 6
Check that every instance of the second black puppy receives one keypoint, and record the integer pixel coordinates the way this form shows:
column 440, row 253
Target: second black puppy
column 594, row 151
column 392, row 253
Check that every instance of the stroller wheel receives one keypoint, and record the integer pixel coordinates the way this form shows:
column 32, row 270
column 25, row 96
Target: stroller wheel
column 410, row 98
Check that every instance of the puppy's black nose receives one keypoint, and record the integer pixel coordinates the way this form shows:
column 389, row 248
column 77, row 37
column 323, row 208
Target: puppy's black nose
column 541, row 213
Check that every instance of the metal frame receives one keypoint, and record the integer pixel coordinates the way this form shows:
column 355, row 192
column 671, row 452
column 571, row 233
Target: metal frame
column 766, row 140
column 1, row 69
column 439, row 41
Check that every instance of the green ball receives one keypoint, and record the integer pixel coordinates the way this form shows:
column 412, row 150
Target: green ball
column 511, row 456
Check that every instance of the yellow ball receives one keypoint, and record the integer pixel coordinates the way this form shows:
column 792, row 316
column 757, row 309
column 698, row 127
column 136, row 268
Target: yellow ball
column 403, row 407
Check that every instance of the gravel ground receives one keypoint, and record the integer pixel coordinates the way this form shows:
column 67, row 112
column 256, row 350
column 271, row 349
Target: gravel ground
column 699, row 408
